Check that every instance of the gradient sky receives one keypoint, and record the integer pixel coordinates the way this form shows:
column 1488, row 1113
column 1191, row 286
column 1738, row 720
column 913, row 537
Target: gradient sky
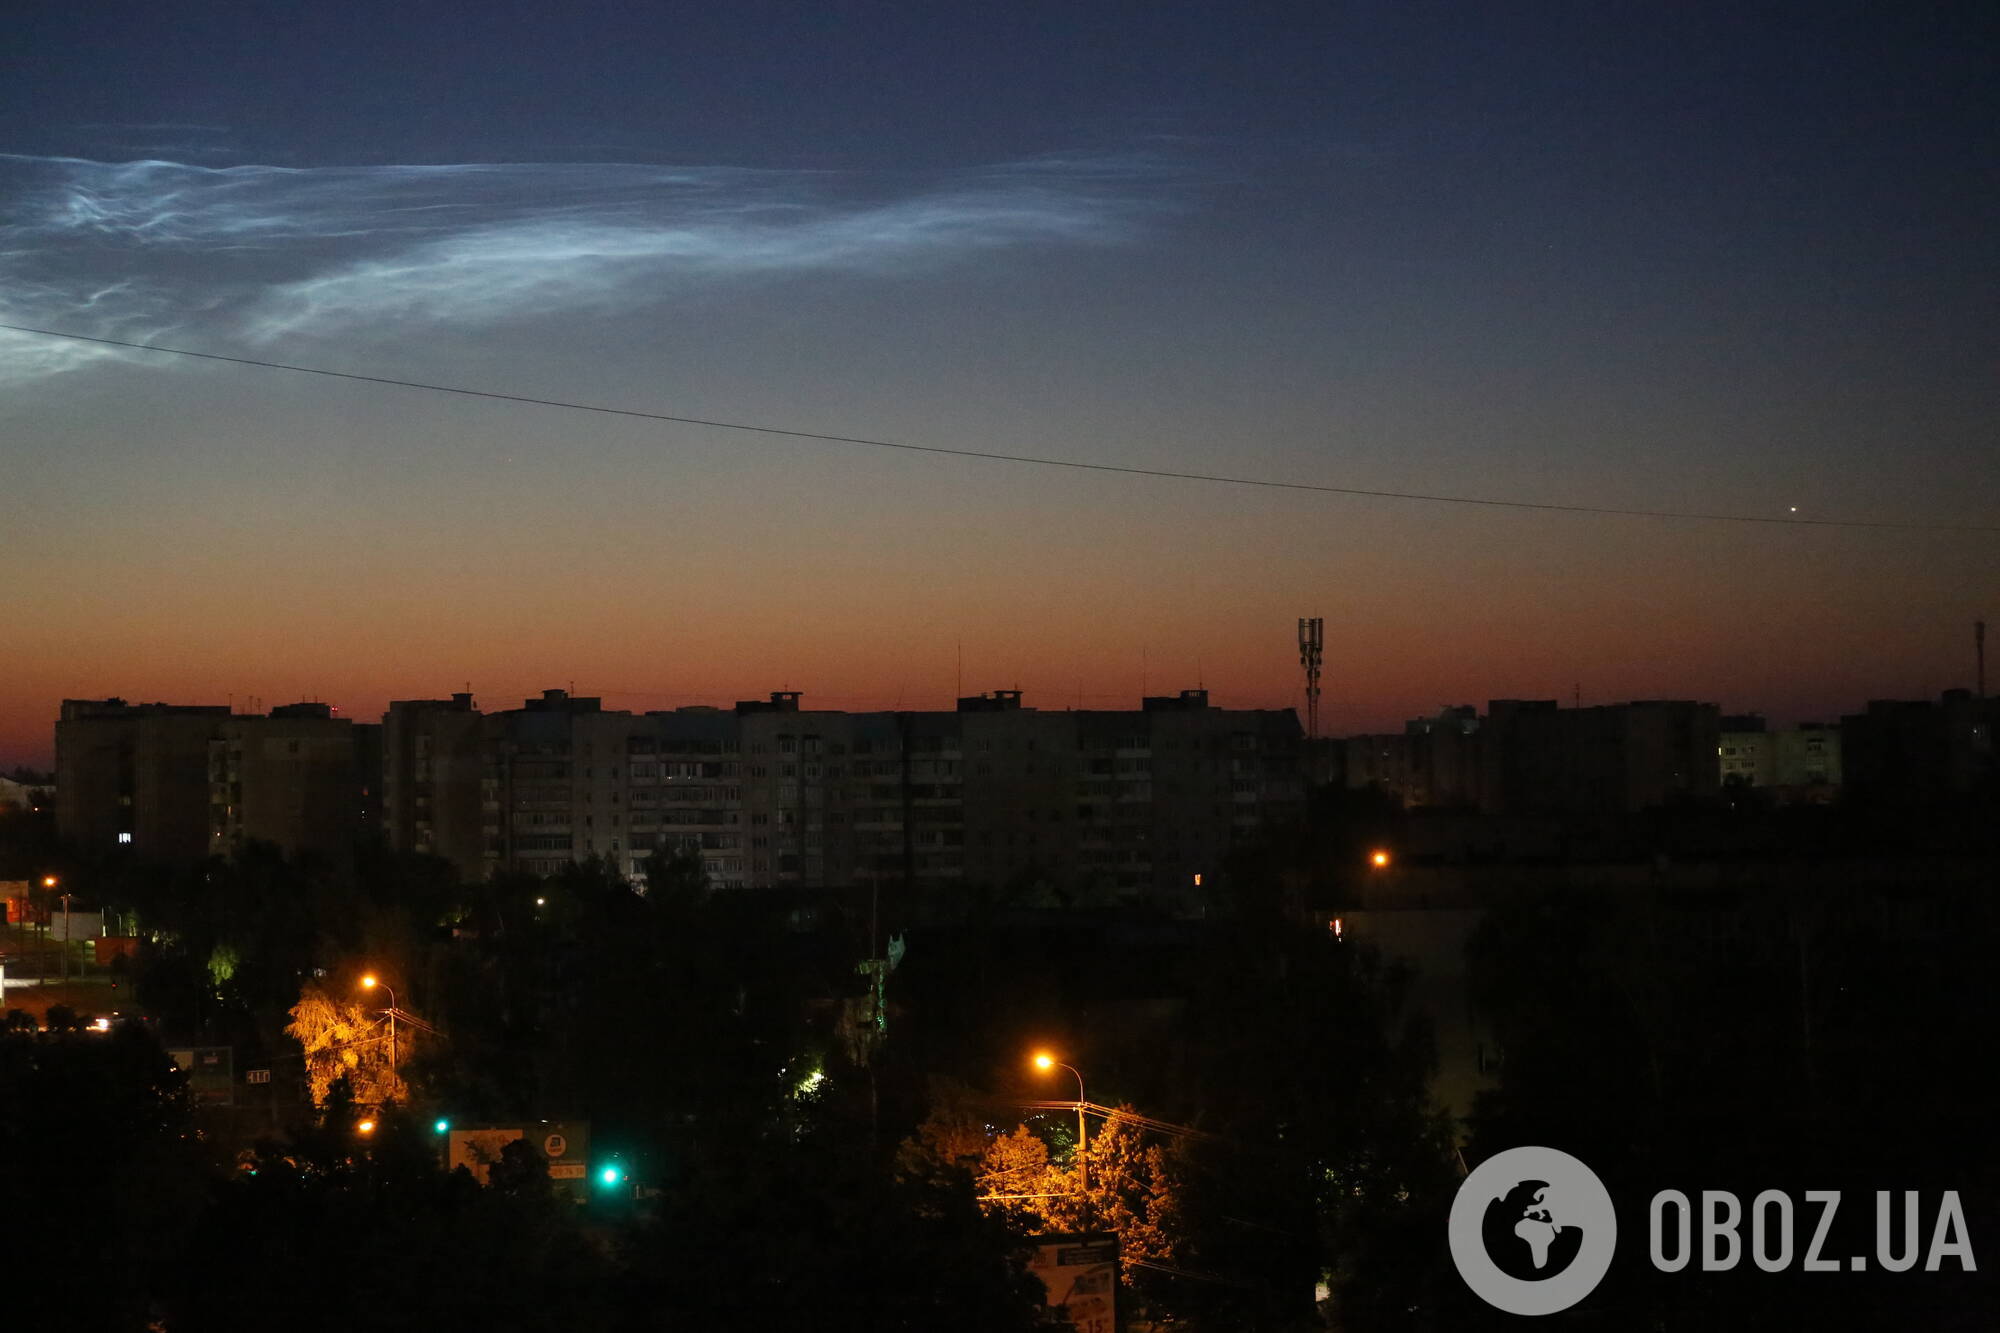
column 1730, row 258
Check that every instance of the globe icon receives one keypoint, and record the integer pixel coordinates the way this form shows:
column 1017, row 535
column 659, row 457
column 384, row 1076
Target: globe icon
column 1527, row 1235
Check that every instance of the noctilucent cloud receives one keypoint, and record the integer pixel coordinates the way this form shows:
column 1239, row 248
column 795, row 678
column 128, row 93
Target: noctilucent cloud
column 251, row 255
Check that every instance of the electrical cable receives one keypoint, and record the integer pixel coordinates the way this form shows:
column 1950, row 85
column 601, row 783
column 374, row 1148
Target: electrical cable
column 993, row 456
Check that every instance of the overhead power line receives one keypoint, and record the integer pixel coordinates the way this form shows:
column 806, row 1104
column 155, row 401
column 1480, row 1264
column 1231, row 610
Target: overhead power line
column 1789, row 520
column 1117, row 1113
column 1134, row 1262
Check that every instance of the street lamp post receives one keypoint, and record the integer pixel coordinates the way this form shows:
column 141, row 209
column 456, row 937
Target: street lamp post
column 49, row 884
column 1045, row 1062
column 370, row 982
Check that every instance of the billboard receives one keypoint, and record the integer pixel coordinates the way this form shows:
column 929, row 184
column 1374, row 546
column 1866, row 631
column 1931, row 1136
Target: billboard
column 1081, row 1275
column 75, row 925
column 566, row 1145
column 211, row 1072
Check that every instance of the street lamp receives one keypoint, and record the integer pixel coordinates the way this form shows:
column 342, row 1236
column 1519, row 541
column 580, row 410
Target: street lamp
column 1045, row 1062
column 1380, row 859
column 369, row 982
column 48, row 882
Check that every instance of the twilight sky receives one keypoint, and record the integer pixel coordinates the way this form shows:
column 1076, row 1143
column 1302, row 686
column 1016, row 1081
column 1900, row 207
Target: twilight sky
column 1727, row 258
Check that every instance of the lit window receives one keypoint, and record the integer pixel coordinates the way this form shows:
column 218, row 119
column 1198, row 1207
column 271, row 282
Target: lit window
column 124, row 837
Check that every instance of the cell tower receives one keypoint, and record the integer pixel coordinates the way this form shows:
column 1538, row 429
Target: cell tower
column 1312, row 647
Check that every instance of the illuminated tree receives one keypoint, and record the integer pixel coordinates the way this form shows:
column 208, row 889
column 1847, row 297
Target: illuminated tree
column 1132, row 1191
column 953, row 1136
column 342, row 1039
column 1018, row 1164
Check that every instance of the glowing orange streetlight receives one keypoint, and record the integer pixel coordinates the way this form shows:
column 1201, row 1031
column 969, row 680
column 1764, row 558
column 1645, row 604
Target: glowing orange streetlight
column 369, row 981
column 366, row 1127
column 1380, row 859
column 49, row 882
column 1045, row 1062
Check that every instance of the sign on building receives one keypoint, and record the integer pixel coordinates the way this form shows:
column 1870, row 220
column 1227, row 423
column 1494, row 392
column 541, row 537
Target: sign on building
column 566, row 1145
column 1081, row 1275
column 210, row 1072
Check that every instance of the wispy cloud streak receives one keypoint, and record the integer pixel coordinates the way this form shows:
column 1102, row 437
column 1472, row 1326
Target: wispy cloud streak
column 256, row 253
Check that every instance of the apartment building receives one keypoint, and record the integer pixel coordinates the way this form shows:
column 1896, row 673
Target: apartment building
column 136, row 775
column 176, row 782
column 1797, row 764
column 772, row 792
column 1528, row 756
column 299, row 778
column 433, row 767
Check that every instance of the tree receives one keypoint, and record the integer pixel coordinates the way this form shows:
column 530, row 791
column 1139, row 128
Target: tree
column 1786, row 1029
column 1292, row 1051
column 342, row 1233
column 677, row 879
column 1015, row 1170
column 812, row 1232
column 341, row 1040
column 98, row 1141
column 1132, row 1188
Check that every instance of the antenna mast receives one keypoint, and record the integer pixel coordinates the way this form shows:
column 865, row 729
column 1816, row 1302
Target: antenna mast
column 1312, row 647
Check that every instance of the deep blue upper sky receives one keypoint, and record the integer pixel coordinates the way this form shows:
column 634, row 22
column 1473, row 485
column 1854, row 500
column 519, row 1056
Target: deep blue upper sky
column 1824, row 93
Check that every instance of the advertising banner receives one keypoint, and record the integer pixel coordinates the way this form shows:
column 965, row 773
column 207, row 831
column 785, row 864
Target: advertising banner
column 1081, row 1274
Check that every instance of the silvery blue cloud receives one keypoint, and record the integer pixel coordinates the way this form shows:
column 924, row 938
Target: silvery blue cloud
column 253, row 254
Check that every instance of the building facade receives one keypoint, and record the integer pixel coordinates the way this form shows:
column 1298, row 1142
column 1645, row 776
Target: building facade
column 1796, row 764
column 433, row 768
column 1532, row 757
column 178, row 782
column 299, row 778
column 1913, row 753
column 136, row 775
column 1098, row 804
column 773, row 793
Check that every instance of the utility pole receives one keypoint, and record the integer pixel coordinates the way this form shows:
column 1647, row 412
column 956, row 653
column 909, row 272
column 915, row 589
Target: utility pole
column 68, row 931
column 1045, row 1061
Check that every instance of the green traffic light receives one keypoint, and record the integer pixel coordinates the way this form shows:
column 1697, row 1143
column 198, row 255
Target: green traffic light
column 441, row 1126
column 611, row 1175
